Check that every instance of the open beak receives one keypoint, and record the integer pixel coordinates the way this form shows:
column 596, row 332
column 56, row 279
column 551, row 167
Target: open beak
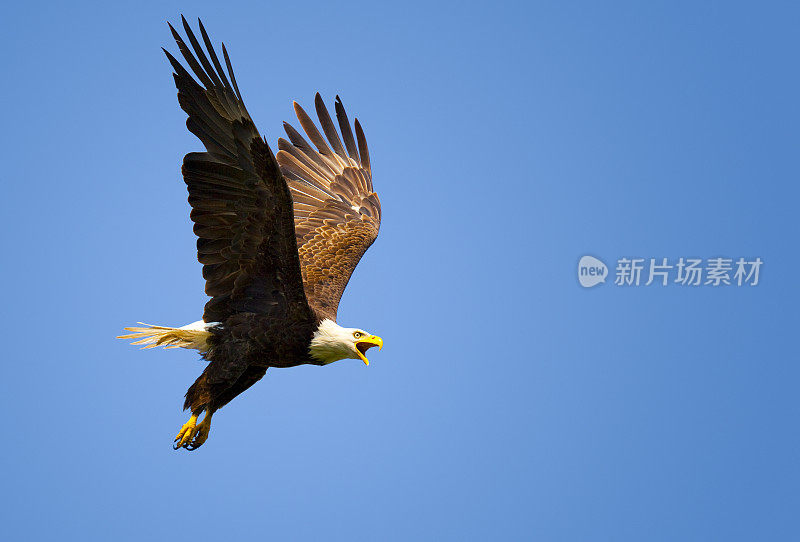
column 365, row 344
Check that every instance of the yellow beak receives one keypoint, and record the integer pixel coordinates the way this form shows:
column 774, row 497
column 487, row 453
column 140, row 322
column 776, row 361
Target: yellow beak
column 365, row 344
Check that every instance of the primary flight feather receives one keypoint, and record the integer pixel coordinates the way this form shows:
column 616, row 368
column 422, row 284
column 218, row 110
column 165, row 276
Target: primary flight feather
column 278, row 236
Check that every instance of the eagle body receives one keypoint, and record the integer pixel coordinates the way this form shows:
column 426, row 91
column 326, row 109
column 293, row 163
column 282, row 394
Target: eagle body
column 278, row 236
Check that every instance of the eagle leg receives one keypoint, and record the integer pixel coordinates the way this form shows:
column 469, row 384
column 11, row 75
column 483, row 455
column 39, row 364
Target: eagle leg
column 192, row 435
column 186, row 432
column 202, row 432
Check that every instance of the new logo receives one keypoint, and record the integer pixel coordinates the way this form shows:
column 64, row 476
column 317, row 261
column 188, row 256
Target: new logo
column 591, row 271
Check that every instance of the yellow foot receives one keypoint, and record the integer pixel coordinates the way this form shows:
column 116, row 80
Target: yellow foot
column 192, row 436
column 186, row 433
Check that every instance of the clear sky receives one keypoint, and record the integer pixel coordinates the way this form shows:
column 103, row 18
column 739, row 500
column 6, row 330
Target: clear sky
column 509, row 403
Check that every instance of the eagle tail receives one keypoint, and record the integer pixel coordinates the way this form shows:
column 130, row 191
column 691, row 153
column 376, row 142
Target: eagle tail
column 193, row 336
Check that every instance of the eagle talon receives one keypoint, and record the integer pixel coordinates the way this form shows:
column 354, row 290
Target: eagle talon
column 192, row 435
column 200, row 434
column 185, row 434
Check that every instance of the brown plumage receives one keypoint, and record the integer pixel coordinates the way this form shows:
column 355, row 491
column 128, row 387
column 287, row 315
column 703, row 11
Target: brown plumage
column 278, row 237
column 336, row 213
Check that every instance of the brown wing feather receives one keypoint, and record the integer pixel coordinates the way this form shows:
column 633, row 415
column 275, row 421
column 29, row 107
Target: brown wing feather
column 241, row 205
column 336, row 214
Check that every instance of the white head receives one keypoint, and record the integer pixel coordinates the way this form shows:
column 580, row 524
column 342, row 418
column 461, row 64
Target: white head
column 333, row 342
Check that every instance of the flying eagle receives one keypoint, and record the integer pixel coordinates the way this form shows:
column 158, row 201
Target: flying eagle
column 278, row 237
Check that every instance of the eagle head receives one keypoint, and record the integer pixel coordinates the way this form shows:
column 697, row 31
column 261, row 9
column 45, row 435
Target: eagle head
column 332, row 342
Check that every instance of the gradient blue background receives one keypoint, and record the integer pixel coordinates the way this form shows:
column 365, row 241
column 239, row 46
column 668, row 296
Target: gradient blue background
column 509, row 403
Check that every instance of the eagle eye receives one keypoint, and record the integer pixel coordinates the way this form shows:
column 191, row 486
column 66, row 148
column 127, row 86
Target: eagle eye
column 357, row 335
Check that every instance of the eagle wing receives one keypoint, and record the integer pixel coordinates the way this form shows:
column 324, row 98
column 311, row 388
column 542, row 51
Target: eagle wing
column 337, row 215
column 241, row 204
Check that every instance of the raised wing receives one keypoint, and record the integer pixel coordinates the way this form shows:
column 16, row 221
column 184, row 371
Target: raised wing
column 241, row 205
column 336, row 213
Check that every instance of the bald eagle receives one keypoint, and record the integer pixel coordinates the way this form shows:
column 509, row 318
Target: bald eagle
column 278, row 237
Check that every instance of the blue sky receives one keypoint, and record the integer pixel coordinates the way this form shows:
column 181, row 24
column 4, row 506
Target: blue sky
column 507, row 141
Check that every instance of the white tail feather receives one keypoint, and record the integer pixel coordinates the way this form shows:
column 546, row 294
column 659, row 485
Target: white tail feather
column 194, row 336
